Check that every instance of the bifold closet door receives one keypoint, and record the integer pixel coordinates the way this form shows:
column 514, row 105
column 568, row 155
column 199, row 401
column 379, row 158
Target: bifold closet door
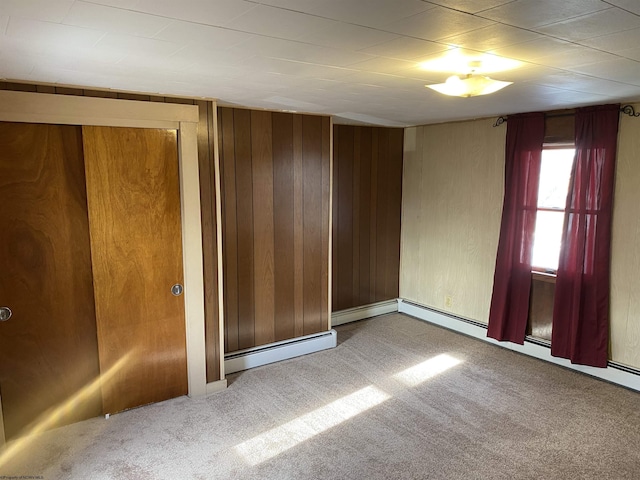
column 133, row 195
column 48, row 346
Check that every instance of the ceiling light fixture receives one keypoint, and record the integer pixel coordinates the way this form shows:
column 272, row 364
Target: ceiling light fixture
column 458, row 60
column 469, row 86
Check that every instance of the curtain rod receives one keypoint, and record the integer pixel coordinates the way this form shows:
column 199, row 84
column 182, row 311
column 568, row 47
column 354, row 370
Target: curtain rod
column 626, row 109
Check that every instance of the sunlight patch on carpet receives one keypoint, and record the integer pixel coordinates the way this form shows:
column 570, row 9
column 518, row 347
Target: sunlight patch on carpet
column 51, row 418
column 280, row 439
column 417, row 374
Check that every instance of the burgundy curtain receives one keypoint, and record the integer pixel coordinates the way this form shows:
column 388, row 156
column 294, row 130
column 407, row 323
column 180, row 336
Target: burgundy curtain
column 512, row 279
column 581, row 306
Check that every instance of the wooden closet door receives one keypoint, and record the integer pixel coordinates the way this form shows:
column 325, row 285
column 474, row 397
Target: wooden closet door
column 48, row 347
column 134, row 214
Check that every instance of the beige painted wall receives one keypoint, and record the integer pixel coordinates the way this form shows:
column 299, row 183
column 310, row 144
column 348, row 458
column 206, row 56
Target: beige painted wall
column 451, row 208
column 452, row 202
column 625, row 259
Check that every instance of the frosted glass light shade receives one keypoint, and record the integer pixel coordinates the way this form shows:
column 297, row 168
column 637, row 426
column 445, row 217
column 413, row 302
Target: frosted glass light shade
column 470, row 86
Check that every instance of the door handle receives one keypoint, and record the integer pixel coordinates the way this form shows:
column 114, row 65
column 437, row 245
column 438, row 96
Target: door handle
column 5, row 314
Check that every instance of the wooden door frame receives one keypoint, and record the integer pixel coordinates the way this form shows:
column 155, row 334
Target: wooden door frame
column 72, row 110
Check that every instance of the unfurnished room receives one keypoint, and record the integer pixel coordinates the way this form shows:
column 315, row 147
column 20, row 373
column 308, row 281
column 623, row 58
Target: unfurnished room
column 319, row 239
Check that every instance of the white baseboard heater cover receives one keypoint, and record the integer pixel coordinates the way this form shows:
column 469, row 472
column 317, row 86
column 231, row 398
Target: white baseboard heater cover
column 278, row 351
column 365, row 311
column 614, row 373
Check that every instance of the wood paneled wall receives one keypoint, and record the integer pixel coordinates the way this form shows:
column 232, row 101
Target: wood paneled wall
column 207, row 191
column 275, row 175
column 367, row 196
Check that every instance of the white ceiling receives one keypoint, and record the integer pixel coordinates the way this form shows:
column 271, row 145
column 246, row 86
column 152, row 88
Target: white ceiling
column 355, row 59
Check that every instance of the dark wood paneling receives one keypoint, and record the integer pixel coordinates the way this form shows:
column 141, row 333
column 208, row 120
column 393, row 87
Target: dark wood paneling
column 244, row 183
column 363, row 293
column 281, row 200
column 19, row 87
column 325, row 197
column 367, row 184
column 69, row 91
column 229, row 230
column 344, row 221
column 48, row 349
column 373, row 216
column 312, row 201
column 45, row 89
column 382, row 234
column 263, row 225
column 298, row 227
column 181, row 101
column 335, row 212
column 134, row 96
column 206, row 131
column 100, row 94
column 355, row 244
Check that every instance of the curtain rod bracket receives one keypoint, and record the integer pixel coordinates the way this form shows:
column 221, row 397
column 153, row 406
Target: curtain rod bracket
column 500, row 121
column 629, row 110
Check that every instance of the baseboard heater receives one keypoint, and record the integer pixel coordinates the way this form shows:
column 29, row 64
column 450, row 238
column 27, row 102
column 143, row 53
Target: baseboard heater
column 364, row 311
column 623, row 375
column 275, row 352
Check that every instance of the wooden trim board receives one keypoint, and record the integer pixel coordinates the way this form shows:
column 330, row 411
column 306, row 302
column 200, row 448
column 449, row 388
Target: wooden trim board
column 217, row 386
column 72, row 110
column 192, row 258
column 216, row 166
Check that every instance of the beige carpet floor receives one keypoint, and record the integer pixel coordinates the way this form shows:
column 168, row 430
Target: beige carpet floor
column 397, row 399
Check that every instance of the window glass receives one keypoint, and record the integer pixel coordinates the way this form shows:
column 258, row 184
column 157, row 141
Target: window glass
column 547, row 237
column 555, row 173
column 554, row 177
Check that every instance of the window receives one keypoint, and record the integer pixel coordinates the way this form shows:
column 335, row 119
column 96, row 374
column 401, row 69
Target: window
column 555, row 172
